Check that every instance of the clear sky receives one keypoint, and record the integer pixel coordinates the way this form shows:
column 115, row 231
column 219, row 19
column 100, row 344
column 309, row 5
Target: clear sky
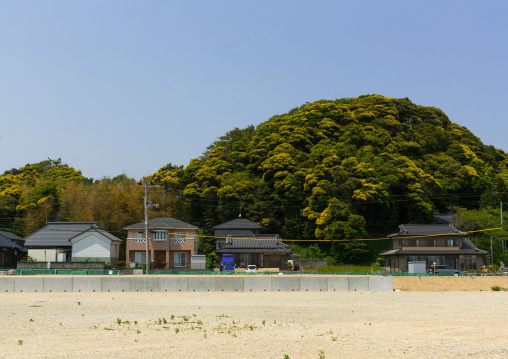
column 124, row 86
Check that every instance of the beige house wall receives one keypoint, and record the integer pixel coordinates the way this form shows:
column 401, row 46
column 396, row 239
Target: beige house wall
column 440, row 242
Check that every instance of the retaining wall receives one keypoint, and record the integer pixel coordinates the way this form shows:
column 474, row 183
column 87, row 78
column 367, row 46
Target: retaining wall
column 182, row 283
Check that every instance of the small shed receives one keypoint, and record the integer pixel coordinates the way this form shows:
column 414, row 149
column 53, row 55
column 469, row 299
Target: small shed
column 417, row 267
column 198, row 262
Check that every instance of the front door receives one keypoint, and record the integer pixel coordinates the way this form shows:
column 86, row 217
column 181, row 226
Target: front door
column 451, row 262
column 160, row 259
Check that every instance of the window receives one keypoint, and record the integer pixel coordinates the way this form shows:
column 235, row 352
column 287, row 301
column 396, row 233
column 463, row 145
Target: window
column 140, row 237
column 140, row 258
column 159, row 235
column 430, row 243
column 414, row 242
column 180, row 237
column 180, row 259
column 450, row 242
column 467, row 262
column 440, row 260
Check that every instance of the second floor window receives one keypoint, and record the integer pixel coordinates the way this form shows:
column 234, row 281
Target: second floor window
column 414, row 242
column 450, row 242
column 159, row 235
column 180, row 237
column 140, row 237
column 430, row 242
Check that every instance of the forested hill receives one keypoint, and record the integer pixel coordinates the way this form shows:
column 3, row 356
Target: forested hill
column 343, row 169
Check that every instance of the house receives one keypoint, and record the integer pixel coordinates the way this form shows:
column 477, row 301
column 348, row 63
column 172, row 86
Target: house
column 243, row 239
column 12, row 249
column 73, row 241
column 442, row 244
column 171, row 243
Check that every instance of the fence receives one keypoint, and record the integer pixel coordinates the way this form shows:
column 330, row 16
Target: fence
column 243, row 283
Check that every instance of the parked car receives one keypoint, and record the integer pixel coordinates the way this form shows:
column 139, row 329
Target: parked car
column 444, row 269
column 251, row 268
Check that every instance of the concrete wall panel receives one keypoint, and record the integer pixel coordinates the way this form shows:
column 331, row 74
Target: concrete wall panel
column 58, row 284
column 6, row 284
column 229, row 284
column 116, row 284
column 381, row 283
column 173, row 284
column 144, row 284
column 285, row 284
column 338, row 284
column 314, row 284
column 29, row 284
column 358, row 284
column 257, row 284
column 86, row 284
column 201, row 284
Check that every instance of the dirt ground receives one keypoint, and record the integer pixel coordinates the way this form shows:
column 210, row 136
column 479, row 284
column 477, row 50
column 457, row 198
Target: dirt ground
column 447, row 284
column 445, row 321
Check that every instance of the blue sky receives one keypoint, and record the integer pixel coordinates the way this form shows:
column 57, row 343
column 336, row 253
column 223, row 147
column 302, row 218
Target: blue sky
column 125, row 86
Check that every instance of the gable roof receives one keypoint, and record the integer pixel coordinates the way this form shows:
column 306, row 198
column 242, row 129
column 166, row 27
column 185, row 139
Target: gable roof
column 238, row 223
column 243, row 245
column 57, row 234
column 407, row 230
column 6, row 243
column 101, row 232
column 162, row 223
column 9, row 235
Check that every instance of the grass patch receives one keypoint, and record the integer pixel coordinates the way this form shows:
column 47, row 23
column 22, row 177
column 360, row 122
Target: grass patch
column 497, row 288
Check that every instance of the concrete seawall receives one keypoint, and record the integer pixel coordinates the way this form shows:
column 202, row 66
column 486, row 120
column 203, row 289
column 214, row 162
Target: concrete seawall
column 194, row 283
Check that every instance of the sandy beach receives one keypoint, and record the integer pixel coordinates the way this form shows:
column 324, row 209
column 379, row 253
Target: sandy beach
column 254, row 325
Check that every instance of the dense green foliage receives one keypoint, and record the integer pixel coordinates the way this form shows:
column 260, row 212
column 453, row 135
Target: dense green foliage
column 330, row 170
column 343, row 169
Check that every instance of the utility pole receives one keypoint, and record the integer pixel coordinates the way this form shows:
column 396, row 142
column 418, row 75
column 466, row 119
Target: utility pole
column 491, row 253
column 502, row 241
column 501, row 207
column 147, row 253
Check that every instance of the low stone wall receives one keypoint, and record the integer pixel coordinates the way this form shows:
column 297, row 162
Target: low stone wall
column 195, row 283
column 61, row 265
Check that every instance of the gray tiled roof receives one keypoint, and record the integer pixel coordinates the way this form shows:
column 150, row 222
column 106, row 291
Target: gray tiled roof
column 242, row 245
column 426, row 230
column 102, row 232
column 467, row 248
column 6, row 243
column 9, row 235
column 238, row 223
column 57, row 234
column 437, row 252
column 109, row 235
column 162, row 223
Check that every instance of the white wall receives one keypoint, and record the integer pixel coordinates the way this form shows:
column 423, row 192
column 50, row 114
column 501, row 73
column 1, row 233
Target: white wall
column 43, row 255
column 91, row 246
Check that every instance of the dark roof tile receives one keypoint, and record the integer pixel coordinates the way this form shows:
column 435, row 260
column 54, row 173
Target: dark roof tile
column 238, row 223
column 162, row 223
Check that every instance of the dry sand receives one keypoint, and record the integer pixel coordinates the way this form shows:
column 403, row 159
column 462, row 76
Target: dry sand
column 396, row 324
